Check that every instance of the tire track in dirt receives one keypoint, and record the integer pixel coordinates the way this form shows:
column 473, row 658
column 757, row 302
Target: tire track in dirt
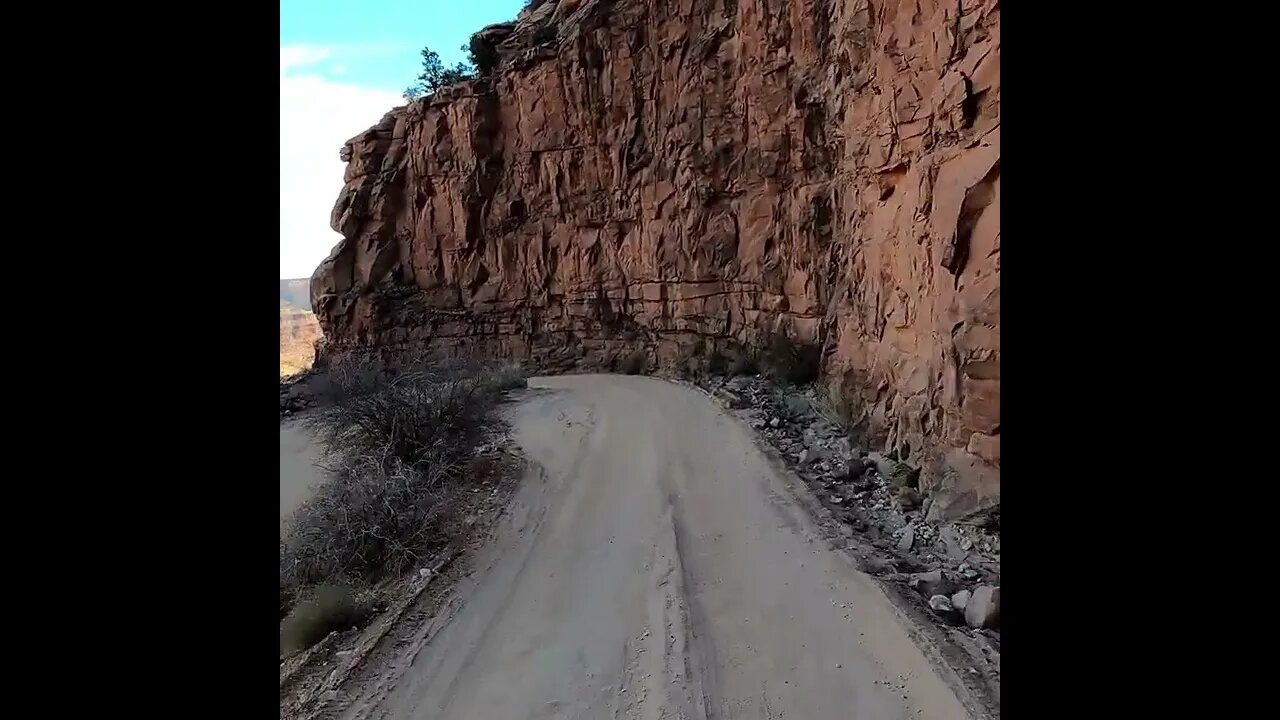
column 660, row 573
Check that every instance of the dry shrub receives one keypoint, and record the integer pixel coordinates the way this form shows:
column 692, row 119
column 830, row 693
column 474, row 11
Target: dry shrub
column 832, row 407
column 797, row 409
column 372, row 518
column 407, row 417
column 694, row 366
column 635, row 363
column 787, row 361
column 324, row 609
column 397, row 443
column 740, row 363
column 482, row 469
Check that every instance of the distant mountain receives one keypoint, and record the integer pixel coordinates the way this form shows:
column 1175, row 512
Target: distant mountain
column 296, row 292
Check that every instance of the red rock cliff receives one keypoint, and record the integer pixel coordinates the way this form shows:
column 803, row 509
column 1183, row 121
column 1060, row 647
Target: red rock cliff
column 687, row 175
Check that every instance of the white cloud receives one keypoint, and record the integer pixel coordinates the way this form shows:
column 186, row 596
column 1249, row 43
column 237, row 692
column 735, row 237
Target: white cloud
column 317, row 116
column 296, row 56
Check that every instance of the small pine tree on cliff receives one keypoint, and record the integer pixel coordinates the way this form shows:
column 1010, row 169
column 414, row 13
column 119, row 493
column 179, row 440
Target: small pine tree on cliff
column 435, row 75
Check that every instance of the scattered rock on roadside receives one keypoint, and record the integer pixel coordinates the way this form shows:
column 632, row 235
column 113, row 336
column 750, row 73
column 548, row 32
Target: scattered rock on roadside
column 877, row 565
column 859, row 486
column 931, row 583
column 908, row 537
column 983, row 608
column 730, row 399
column 942, row 607
column 879, row 496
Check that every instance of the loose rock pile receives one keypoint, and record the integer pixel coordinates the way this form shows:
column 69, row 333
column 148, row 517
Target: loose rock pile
column 953, row 568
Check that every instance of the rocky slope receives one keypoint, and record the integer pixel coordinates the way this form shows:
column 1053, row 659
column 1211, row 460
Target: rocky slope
column 689, row 177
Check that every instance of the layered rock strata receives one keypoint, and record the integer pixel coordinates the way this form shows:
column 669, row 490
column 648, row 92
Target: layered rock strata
column 690, row 178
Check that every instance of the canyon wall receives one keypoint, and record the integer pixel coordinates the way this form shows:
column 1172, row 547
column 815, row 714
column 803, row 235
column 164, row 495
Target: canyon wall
column 692, row 177
column 299, row 328
column 299, row 332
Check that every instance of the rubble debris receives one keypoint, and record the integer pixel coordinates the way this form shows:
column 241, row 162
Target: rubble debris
column 935, row 582
column 876, row 495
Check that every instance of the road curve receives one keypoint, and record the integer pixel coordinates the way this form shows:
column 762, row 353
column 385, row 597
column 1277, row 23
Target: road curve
column 654, row 569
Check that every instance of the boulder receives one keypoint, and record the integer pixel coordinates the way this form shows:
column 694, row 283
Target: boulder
column 908, row 537
column 983, row 608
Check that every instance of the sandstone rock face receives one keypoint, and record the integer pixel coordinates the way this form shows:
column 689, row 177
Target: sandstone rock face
column 686, row 177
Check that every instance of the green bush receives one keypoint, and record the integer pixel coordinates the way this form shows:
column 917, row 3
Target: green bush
column 483, row 55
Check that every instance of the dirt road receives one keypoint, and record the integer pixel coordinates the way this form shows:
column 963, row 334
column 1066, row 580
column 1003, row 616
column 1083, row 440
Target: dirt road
column 298, row 454
column 655, row 569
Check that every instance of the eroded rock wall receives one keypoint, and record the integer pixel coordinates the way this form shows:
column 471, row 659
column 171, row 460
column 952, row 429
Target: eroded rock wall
column 690, row 176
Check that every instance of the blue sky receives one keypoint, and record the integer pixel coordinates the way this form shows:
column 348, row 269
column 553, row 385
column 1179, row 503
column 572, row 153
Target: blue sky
column 343, row 65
